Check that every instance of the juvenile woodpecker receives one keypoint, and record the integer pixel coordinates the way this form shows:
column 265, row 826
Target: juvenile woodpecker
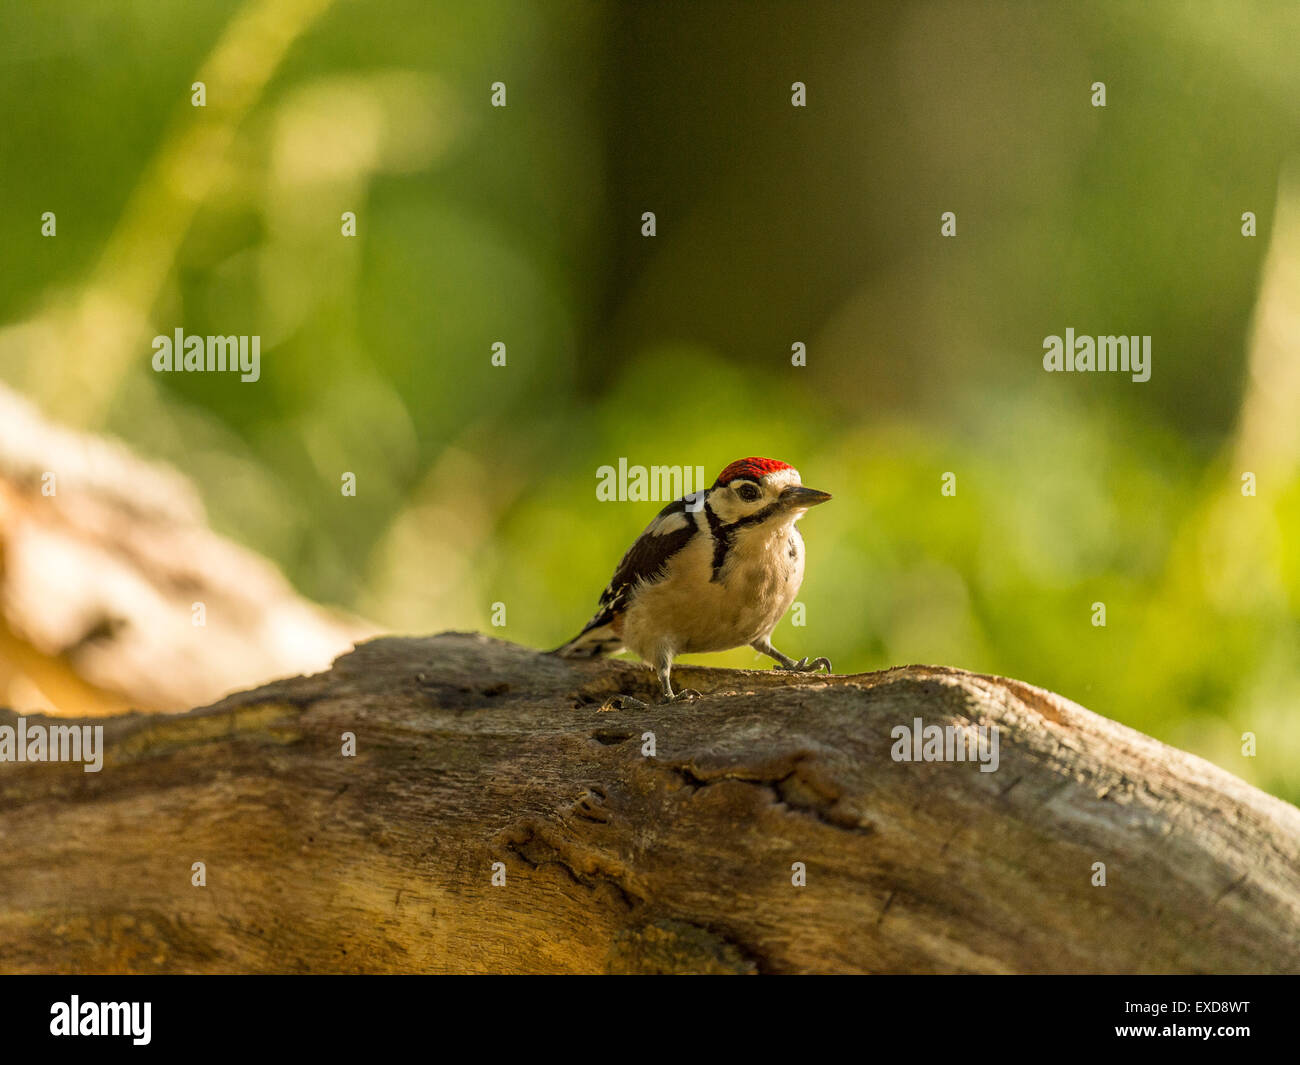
column 715, row 570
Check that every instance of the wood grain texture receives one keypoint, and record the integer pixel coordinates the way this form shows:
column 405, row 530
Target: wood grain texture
column 472, row 751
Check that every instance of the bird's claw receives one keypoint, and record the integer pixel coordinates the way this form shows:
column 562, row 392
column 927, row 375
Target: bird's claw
column 806, row 666
column 631, row 702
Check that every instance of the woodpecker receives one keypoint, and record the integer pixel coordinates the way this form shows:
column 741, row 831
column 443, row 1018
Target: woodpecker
column 714, row 570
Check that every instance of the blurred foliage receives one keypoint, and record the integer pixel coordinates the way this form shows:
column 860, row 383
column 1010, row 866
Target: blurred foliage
column 775, row 224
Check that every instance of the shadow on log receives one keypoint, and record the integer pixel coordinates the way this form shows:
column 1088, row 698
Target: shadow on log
column 471, row 751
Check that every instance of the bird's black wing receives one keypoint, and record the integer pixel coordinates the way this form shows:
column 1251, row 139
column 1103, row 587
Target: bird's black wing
column 646, row 560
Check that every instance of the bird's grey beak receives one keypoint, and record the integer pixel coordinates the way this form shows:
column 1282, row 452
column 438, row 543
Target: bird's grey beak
column 799, row 497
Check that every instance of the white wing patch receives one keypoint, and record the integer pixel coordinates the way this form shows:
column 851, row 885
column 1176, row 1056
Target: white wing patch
column 667, row 523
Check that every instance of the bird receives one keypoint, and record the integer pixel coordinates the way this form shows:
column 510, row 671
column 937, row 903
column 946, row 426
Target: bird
column 714, row 570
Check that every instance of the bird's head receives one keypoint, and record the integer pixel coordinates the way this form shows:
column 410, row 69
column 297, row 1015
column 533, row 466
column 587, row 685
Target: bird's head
column 757, row 490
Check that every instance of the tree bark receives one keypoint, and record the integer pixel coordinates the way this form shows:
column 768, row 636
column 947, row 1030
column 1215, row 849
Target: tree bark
column 471, row 751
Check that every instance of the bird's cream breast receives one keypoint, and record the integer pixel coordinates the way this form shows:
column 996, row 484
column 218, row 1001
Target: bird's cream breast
column 690, row 612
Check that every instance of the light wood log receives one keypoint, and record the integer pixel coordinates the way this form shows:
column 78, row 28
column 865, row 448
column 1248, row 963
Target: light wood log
column 471, row 751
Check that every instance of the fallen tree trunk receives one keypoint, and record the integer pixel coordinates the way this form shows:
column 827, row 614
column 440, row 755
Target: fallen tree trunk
column 115, row 593
column 471, row 752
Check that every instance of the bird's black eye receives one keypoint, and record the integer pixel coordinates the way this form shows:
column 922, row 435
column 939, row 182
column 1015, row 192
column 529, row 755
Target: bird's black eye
column 748, row 492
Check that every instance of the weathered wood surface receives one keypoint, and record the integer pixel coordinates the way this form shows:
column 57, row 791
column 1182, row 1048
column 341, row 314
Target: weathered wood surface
column 103, row 558
column 471, row 751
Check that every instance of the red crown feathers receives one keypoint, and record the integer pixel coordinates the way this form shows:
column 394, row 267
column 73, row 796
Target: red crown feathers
column 753, row 467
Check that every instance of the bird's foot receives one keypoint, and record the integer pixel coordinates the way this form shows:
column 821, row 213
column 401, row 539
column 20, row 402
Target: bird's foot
column 805, row 666
column 631, row 702
column 624, row 702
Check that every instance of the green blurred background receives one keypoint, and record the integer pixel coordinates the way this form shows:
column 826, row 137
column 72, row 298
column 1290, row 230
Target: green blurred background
column 776, row 224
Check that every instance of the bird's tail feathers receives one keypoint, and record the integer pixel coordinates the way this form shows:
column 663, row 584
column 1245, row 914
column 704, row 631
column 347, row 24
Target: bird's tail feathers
column 591, row 643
